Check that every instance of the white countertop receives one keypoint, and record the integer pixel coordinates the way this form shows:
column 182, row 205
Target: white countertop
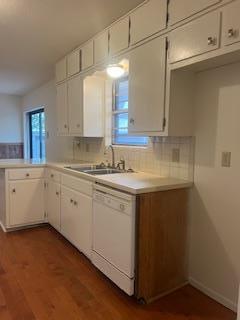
column 134, row 183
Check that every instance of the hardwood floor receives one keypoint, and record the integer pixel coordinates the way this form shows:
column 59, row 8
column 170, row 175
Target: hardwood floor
column 43, row 277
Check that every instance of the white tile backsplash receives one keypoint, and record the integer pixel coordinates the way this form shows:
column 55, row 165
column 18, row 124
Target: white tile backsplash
column 156, row 158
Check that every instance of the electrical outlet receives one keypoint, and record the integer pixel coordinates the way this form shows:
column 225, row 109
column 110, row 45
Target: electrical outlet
column 176, row 155
column 226, row 159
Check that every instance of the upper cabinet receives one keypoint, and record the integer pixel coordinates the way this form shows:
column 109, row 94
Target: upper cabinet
column 119, row 36
column 73, row 63
column 202, row 36
column 180, row 10
column 101, row 47
column 87, row 55
column 148, row 19
column 61, row 70
column 231, row 23
column 147, row 67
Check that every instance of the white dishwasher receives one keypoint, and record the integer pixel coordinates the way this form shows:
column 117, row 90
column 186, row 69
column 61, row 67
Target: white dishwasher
column 114, row 235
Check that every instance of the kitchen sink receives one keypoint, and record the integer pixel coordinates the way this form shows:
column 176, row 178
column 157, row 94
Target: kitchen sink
column 96, row 170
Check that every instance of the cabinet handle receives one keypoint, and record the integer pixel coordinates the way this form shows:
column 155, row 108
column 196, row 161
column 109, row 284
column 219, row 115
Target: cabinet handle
column 71, row 200
column 231, row 33
column 211, row 41
column 27, row 175
column 75, row 203
column 13, row 190
column 57, row 193
column 131, row 121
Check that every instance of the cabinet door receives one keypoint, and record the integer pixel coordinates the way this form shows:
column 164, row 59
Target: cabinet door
column 93, row 107
column 26, row 202
column 148, row 19
column 147, row 86
column 62, row 108
column 101, row 47
column 231, row 23
column 87, row 55
column 180, row 10
column 53, row 204
column 73, row 63
column 76, row 219
column 119, row 36
column 75, row 105
column 202, row 36
column 61, row 70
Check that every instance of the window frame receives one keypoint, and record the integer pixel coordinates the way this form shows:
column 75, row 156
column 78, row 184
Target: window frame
column 116, row 112
column 30, row 114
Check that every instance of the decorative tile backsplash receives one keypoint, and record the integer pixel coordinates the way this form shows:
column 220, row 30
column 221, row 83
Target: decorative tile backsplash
column 159, row 157
column 11, row 150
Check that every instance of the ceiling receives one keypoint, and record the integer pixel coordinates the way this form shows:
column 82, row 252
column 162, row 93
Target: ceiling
column 34, row 34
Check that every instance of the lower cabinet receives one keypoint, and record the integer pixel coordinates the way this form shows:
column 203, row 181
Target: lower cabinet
column 76, row 219
column 26, row 202
column 53, row 204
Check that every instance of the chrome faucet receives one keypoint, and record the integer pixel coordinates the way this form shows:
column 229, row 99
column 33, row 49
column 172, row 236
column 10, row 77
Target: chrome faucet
column 113, row 155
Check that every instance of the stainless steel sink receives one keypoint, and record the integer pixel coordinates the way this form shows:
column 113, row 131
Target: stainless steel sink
column 96, row 170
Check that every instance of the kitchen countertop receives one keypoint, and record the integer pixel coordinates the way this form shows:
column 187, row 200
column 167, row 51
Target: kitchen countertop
column 134, row 183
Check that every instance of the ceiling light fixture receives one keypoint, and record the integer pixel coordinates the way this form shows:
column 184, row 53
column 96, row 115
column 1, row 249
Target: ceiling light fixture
column 115, row 71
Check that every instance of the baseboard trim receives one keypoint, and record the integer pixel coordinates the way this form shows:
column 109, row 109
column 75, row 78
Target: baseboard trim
column 214, row 295
column 2, row 227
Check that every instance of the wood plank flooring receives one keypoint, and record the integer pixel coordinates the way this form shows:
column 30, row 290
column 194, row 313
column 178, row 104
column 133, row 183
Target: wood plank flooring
column 43, row 277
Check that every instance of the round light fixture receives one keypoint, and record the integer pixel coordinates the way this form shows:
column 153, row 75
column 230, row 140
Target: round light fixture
column 115, row 70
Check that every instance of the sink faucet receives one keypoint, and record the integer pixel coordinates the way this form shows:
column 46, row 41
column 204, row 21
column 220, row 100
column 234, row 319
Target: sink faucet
column 113, row 155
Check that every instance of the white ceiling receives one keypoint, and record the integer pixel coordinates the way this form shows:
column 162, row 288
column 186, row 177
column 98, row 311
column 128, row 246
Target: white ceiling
column 34, row 34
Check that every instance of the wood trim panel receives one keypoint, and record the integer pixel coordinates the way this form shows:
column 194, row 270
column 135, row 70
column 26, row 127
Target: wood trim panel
column 161, row 250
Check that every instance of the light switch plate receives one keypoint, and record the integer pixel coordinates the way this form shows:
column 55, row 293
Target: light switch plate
column 176, row 155
column 226, row 159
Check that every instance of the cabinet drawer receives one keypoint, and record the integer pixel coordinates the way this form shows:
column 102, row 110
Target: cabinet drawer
column 180, row 10
column 231, row 24
column 77, row 184
column 26, row 173
column 53, row 175
column 195, row 38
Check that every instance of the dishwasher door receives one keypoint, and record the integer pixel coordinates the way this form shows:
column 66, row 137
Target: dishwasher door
column 114, row 229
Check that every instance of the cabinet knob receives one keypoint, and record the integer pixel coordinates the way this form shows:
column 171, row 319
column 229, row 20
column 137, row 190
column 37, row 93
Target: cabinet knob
column 131, row 121
column 65, row 126
column 52, row 175
column 27, row 175
column 75, row 203
column 13, row 190
column 231, row 33
column 78, row 125
column 71, row 200
column 57, row 193
column 211, row 41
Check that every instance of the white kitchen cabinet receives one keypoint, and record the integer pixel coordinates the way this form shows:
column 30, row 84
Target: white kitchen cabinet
column 26, row 202
column 180, row 10
column 87, row 55
column 147, row 68
column 195, row 38
column 231, row 23
column 53, row 204
column 73, row 63
column 61, row 70
column 119, row 36
column 101, row 47
column 75, row 105
column 148, row 19
column 76, row 219
column 62, row 109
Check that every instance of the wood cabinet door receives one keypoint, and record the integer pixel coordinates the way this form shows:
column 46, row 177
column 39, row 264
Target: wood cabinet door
column 53, row 204
column 26, row 202
column 147, row 68
column 101, row 47
column 202, row 36
column 148, row 19
column 62, row 109
column 87, row 55
column 180, row 10
column 73, row 63
column 231, row 23
column 75, row 105
column 61, row 70
column 119, row 36
column 76, row 219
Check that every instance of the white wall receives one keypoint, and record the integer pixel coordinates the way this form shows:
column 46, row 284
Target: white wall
column 10, row 119
column 57, row 148
column 215, row 224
